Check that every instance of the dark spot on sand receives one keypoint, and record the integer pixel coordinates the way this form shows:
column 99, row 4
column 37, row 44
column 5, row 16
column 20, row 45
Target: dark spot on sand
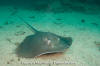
column 8, row 62
column 97, row 44
column 58, row 19
column 1, row 27
column 9, row 40
column 95, row 24
column 12, row 60
column 14, row 12
column 18, row 26
column 49, row 65
column 32, row 17
column 18, row 59
column 15, row 8
column 83, row 20
column 57, row 23
column 8, row 22
column 20, row 33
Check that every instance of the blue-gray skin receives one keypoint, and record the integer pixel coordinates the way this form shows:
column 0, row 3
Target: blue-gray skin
column 42, row 43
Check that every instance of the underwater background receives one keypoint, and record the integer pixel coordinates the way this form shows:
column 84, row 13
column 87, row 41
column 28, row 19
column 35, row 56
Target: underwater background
column 79, row 19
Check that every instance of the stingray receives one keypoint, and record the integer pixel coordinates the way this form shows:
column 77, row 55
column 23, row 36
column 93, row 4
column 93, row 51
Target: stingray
column 40, row 43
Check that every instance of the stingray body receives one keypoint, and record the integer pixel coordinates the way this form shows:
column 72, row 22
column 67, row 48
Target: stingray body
column 41, row 43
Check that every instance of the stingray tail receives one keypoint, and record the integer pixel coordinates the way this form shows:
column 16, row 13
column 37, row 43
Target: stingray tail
column 28, row 25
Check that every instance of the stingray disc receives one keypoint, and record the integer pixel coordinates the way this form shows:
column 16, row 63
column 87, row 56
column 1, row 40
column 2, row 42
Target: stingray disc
column 42, row 43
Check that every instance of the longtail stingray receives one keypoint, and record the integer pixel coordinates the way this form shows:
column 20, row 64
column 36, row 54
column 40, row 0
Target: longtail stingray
column 41, row 43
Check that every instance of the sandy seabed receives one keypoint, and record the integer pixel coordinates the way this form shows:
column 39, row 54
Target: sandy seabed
column 83, row 28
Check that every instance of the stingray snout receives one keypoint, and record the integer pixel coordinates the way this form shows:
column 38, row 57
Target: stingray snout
column 67, row 41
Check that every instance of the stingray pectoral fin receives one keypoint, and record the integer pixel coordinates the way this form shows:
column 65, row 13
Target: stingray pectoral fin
column 27, row 53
